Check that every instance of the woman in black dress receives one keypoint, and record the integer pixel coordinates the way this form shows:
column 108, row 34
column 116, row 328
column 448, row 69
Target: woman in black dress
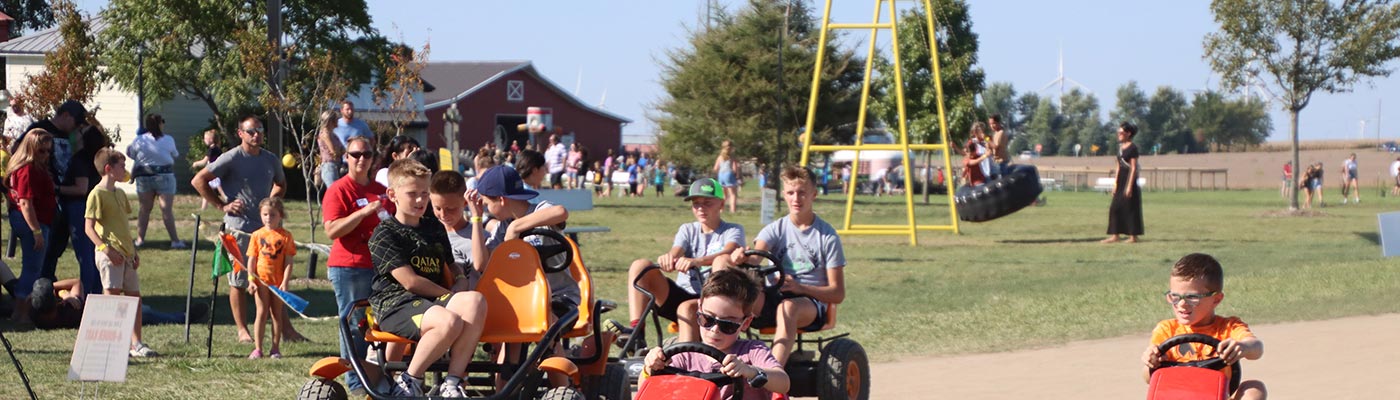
column 1125, row 213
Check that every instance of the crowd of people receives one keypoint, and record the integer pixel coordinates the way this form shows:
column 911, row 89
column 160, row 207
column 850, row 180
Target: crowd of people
column 1310, row 182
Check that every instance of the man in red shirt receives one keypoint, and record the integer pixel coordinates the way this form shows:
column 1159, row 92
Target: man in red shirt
column 353, row 207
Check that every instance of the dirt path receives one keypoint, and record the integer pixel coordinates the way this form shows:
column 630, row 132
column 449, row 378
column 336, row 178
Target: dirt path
column 1303, row 360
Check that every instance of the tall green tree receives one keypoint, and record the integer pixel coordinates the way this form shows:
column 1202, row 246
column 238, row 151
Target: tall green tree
column 1044, row 128
column 29, row 15
column 203, row 49
column 1165, row 129
column 1296, row 48
column 1226, row 123
column 961, row 78
column 1025, row 107
column 1131, row 107
column 723, row 85
column 1000, row 98
column 1081, row 124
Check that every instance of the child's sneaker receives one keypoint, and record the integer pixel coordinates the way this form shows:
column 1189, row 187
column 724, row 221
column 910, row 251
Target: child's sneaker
column 450, row 388
column 178, row 245
column 407, row 386
column 256, row 354
column 140, row 350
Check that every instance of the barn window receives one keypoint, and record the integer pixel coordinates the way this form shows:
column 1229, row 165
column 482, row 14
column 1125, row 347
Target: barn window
column 515, row 90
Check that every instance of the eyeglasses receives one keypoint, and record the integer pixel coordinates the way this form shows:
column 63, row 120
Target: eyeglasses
column 252, row 131
column 1191, row 299
column 708, row 321
column 360, row 154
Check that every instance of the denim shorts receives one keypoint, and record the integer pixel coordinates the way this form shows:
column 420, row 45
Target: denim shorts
column 159, row 183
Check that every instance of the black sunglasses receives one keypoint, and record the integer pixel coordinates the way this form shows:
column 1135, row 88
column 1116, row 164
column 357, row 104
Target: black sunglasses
column 360, row 154
column 708, row 321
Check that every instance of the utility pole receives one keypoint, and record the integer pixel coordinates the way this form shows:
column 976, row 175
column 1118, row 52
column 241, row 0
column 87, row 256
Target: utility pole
column 274, row 37
column 777, row 162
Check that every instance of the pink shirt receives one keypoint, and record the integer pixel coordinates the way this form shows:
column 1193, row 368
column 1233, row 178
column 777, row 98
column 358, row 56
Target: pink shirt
column 753, row 352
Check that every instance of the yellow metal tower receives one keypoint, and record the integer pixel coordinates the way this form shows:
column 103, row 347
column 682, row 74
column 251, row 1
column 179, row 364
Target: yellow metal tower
column 912, row 227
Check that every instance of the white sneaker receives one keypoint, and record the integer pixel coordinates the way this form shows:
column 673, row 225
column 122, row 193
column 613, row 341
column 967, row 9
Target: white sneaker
column 451, row 388
column 140, row 350
column 407, row 386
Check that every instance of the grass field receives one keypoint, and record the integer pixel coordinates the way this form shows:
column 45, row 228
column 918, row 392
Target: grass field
column 1034, row 279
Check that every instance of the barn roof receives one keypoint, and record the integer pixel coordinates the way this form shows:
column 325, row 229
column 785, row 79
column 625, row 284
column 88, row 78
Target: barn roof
column 455, row 80
column 47, row 40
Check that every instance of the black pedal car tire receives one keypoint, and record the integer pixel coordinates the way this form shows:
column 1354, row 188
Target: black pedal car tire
column 562, row 393
column 1015, row 189
column 322, row 389
column 844, row 372
column 614, row 385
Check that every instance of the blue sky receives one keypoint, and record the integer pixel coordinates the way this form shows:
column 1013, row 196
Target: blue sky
column 615, row 44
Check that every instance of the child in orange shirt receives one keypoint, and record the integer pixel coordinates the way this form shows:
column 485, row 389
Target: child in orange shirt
column 270, row 254
column 1194, row 291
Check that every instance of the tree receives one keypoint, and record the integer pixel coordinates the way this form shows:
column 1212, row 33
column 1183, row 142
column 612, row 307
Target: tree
column 1025, row 107
column 197, row 48
column 1044, row 128
column 1165, row 126
column 400, row 79
column 28, row 15
column 1132, row 107
column 1226, row 122
column 1295, row 48
column 70, row 71
column 962, row 80
column 1081, row 125
column 724, row 86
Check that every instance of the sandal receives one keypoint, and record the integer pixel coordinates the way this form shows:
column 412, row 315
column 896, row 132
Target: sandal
column 256, row 354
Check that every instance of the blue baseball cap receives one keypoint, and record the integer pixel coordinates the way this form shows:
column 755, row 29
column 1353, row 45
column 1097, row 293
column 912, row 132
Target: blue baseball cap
column 503, row 181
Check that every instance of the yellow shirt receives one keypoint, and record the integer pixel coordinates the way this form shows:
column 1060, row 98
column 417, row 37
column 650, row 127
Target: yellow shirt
column 110, row 208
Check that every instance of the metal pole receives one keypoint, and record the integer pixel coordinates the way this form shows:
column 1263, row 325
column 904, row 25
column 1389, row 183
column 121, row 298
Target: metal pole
column 140, row 87
column 274, row 37
column 189, row 295
column 777, row 162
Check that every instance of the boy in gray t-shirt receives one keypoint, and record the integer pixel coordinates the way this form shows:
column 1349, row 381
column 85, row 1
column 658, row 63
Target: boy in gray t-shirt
column 692, row 252
column 811, row 255
column 447, row 191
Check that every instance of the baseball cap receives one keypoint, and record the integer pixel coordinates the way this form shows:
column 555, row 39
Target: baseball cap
column 43, row 299
column 73, row 108
column 705, row 187
column 503, row 181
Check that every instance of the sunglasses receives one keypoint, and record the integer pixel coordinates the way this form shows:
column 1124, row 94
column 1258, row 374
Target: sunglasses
column 254, row 130
column 360, row 154
column 1190, row 299
column 708, row 321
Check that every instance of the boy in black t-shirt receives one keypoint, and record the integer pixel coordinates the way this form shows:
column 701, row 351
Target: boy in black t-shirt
column 411, row 296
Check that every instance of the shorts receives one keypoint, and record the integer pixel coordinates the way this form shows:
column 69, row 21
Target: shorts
column 117, row 276
column 727, row 179
column 673, row 302
column 158, row 183
column 659, row 188
column 1351, row 176
column 768, row 317
column 556, row 178
column 405, row 320
column 631, row 187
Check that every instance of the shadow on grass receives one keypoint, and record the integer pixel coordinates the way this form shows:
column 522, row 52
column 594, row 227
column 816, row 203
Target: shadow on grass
column 1051, row 241
column 1373, row 237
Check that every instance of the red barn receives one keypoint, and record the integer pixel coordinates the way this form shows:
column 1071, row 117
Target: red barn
column 492, row 97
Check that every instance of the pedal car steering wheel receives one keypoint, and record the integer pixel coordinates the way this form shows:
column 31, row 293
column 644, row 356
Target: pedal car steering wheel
column 548, row 251
column 763, row 271
column 1216, row 363
column 719, row 379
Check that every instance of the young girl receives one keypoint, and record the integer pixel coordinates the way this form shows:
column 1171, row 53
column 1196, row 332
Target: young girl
column 659, row 176
column 596, row 175
column 214, row 147
column 270, row 254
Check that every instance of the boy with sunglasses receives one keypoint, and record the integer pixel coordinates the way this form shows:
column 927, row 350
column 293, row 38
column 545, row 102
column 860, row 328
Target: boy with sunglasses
column 1194, row 292
column 725, row 304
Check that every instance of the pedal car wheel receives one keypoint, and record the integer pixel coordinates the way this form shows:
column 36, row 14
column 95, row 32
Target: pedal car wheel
column 1215, row 363
column 844, row 372
column 549, row 252
column 774, row 267
column 562, row 393
column 1015, row 189
column 614, row 385
column 322, row 389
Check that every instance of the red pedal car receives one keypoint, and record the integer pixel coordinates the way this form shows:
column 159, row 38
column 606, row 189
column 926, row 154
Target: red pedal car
column 674, row 383
column 1192, row 380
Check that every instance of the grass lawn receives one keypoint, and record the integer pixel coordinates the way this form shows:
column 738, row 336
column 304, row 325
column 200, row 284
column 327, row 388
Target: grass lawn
column 1034, row 279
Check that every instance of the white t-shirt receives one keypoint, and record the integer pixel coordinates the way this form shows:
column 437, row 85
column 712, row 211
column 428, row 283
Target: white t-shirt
column 554, row 157
column 147, row 150
column 1395, row 169
column 16, row 124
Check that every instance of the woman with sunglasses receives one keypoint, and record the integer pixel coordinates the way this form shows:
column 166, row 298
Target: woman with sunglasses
column 33, row 206
column 353, row 207
column 154, row 154
column 725, row 301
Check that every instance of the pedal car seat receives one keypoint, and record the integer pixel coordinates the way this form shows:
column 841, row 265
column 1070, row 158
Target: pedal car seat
column 830, row 322
column 584, row 326
column 1188, row 383
column 516, row 294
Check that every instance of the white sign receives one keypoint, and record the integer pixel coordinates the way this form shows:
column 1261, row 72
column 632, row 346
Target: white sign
column 104, row 339
column 769, row 207
column 1390, row 233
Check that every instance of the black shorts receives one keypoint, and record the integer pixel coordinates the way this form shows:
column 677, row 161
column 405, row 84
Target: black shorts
column 557, row 178
column 768, row 317
column 658, row 188
column 405, row 320
column 632, row 187
column 674, row 299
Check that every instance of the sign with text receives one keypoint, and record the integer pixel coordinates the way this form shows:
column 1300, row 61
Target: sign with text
column 769, row 207
column 104, row 339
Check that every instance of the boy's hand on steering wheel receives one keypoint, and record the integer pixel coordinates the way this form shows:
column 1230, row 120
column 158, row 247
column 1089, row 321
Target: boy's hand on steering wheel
column 684, row 264
column 737, row 257
column 656, row 360
column 790, row 285
column 666, row 263
column 734, row 367
column 1230, row 351
column 1151, row 358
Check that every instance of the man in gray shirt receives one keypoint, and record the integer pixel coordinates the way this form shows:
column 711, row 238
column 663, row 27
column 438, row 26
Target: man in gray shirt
column 696, row 246
column 248, row 174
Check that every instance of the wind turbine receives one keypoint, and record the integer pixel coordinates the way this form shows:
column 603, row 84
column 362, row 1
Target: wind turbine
column 1061, row 79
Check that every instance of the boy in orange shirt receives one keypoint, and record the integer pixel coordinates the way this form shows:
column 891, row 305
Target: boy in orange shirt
column 1194, row 292
column 270, row 254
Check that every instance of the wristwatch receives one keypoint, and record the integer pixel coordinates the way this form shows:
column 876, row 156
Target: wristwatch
column 759, row 379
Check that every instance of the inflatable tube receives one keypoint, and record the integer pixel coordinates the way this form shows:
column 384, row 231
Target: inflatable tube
column 1014, row 190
